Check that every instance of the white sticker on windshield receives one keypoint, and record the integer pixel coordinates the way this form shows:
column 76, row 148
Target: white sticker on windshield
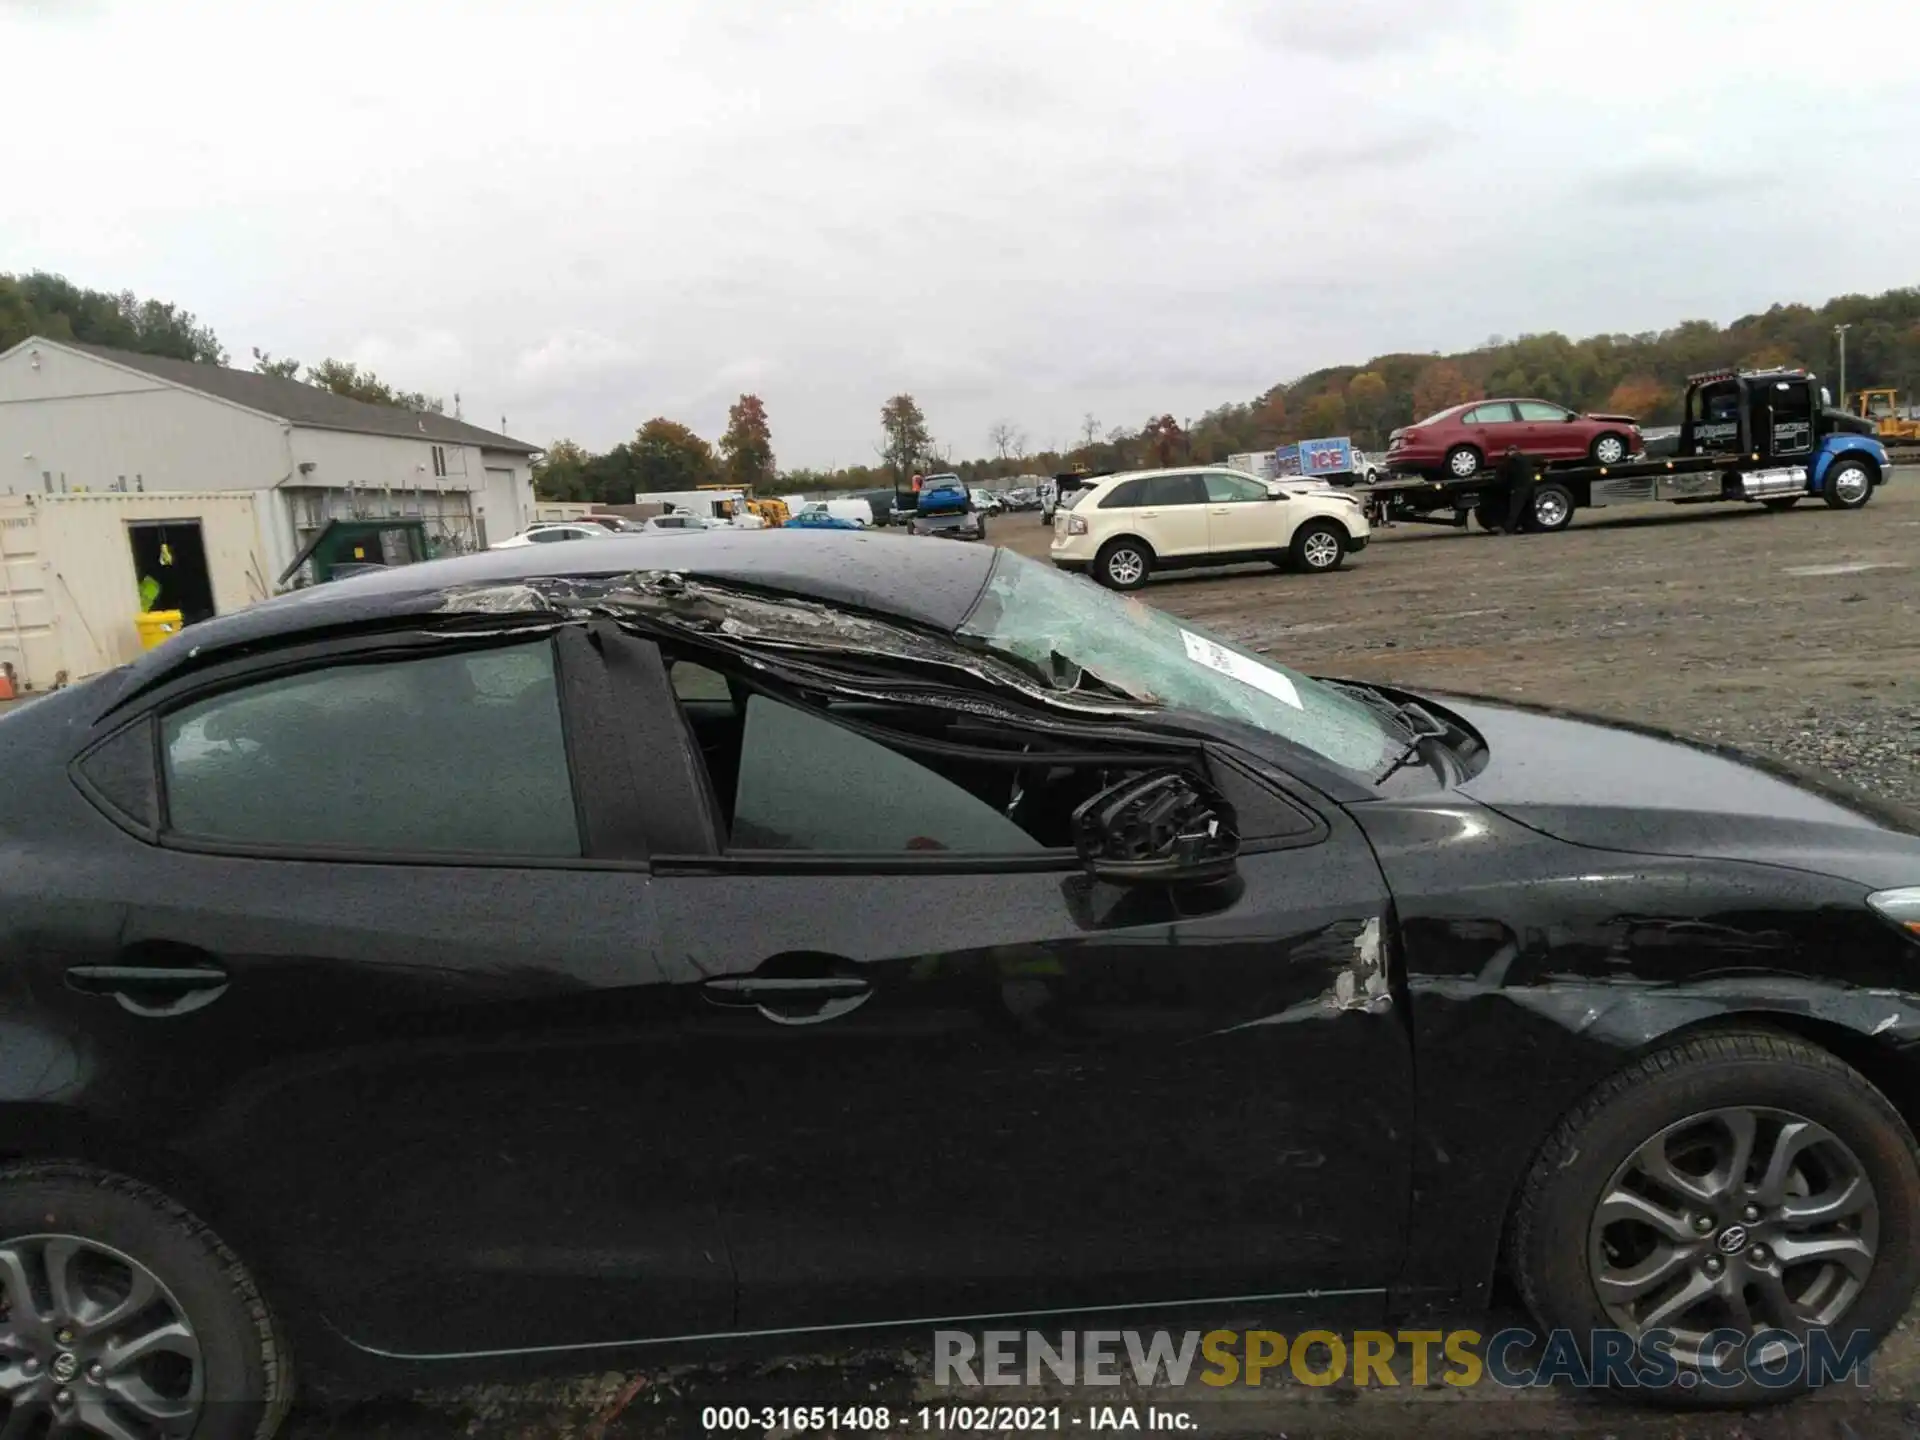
column 1248, row 672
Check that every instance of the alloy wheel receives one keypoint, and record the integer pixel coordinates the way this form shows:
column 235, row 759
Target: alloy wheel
column 1610, row 450
column 1463, row 463
column 1850, row 483
column 1755, row 1220
column 91, row 1343
column 1550, row 510
column 1125, row 567
column 1320, row 550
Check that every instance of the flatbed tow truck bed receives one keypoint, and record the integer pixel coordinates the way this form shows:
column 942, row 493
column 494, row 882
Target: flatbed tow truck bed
column 1700, row 480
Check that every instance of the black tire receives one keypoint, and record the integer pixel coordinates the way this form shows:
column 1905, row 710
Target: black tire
column 1557, row 1240
column 1491, row 517
column 1464, row 456
column 1848, row 485
column 1781, row 502
column 1310, row 551
column 1116, row 551
column 246, row 1367
column 1613, row 443
column 983, row 527
column 1552, row 508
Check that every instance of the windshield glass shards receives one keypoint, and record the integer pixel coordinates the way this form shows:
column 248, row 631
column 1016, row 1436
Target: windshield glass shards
column 1078, row 636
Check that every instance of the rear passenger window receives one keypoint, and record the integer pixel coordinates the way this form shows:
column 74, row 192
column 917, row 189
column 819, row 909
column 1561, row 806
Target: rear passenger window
column 455, row 754
column 1176, row 490
column 1124, row 495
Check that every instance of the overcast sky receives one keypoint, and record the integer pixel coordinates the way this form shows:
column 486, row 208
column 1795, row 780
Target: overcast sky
column 582, row 213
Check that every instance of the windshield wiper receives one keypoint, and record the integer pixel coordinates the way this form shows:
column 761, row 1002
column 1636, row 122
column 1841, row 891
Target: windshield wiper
column 1416, row 723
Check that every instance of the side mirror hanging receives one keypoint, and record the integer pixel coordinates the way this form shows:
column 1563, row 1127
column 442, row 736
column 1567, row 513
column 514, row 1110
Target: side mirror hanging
column 1166, row 827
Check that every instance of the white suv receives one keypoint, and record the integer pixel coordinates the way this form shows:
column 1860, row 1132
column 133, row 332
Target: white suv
column 1127, row 526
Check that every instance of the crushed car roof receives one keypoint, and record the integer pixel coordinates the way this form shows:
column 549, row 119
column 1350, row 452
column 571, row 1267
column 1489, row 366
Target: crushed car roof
column 925, row 584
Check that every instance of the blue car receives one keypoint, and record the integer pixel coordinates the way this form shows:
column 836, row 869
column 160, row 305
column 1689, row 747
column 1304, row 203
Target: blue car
column 819, row 520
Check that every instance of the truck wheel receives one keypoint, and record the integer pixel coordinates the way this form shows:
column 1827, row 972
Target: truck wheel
column 1609, row 449
column 1849, row 485
column 1464, row 462
column 1781, row 502
column 1318, row 546
column 1490, row 516
column 1123, row 564
column 1740, row 1180
column 1552, row 507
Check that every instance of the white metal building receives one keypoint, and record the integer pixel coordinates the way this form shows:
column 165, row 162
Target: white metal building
column 86, row 419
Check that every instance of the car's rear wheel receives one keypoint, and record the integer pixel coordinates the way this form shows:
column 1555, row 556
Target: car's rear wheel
column 121, row 1314
column 1123, row 564
column 1464, row 462
column 1608, row 449
column 1849, row 485
column 1318, row 546
column 1736, row 1192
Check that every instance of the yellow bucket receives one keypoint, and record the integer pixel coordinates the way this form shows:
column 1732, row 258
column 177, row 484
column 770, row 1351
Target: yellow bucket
column 157, row 625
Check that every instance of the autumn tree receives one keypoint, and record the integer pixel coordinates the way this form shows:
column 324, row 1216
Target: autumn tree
column 669, row 456
column 1166, row 441
column 1440, row 386
column 561, row 473
column 1367, row 405
column 904, row 441
column 343, row 377
column 1269, row 419
column 1637, row 395
column 1325, row 416
column 746, row 449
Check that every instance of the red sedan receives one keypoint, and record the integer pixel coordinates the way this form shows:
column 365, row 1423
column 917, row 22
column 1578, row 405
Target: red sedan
column 1467, row 438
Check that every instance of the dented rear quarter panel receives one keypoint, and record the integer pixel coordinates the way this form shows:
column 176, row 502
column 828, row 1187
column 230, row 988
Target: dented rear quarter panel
column 1534, row 968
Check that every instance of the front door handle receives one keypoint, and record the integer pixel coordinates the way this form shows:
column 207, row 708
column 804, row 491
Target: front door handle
column 792, row 1000
column 152, row 991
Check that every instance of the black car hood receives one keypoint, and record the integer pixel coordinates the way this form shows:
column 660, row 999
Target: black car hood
column 1631, row 788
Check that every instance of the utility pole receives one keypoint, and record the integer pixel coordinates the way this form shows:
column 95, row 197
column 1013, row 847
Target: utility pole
column 1841, row 331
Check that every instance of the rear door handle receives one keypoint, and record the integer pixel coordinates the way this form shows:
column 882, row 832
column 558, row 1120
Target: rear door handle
column 152, row 991
column 792, row 1000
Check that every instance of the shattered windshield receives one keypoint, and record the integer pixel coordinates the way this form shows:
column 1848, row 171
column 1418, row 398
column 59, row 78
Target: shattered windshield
column 1079, row 636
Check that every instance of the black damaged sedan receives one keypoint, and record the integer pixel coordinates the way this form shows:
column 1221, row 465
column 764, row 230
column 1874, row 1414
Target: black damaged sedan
column 563, row 960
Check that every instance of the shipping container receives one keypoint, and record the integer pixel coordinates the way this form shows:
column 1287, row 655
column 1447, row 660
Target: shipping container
column 72, row 569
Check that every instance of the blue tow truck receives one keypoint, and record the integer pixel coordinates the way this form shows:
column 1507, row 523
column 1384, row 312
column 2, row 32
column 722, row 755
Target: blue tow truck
column 1766, row 437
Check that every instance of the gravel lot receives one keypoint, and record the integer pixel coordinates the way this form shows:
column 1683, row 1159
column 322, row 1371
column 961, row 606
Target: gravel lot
column 1795, row 635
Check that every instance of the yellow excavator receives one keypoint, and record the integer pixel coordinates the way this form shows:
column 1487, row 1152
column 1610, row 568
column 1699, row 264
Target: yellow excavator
column 1883, row 408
